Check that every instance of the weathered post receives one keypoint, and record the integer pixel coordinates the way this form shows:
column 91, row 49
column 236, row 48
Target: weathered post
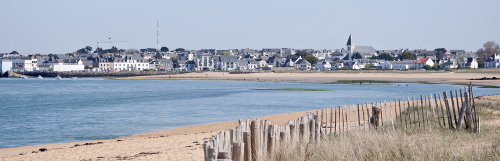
column 448, row 111
column 392, row 119
column 469, row 112
column 442, row 110
column 312, row 128
column 331, row 119
column 270, row 141
column 434, row 111
column 462, row 101
column 302, row 132
column 422, row 113
column 408, row 110
column 223, row 156
column 211, row 154
column 400, row 113
column 346, row 119
column 364, row 121
column 335, row 126
column 405, row 113
column 359, row 118
column 453, row 106
column 248, row 146
column 460, row 117
column 256, row 144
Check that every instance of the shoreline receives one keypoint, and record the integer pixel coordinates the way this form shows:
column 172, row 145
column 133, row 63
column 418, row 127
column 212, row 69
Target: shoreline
column 331, row 77
column 186, row 143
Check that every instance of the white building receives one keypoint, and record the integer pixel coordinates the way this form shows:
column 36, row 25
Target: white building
column 5, row 65
column 493, row 61
column 468, row 63
column 24, row 64
column 129, row 64
column 397, row 65
column 323, row 65
column 419, row 64
column 68, row 65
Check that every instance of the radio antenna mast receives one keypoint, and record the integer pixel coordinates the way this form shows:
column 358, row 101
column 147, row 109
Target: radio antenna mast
column 157, row 35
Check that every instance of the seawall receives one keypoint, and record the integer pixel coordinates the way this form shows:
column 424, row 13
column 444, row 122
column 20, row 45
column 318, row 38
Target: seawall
column 100, row 74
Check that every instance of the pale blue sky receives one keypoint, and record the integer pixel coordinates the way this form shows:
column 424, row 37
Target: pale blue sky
column 62, row 26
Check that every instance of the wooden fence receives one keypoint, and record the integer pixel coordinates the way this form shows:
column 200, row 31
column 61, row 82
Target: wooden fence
column 255, row 139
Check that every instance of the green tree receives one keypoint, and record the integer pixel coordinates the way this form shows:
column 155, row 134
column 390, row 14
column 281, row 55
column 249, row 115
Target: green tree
column 82, row 50
column 113, row 50
column 357, row 56
column 180, row 50
column 14, row 52
column 440, row 53
column 225, row 52
column 164, row 49
column 369, row 66
column 99, row 50
column 407, row 55
column 311, row 59
column 88, row 48
column 427, row 67
column 385, row 56
column 302, row 54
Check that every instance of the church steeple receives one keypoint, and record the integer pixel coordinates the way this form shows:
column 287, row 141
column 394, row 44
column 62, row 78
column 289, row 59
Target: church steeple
column 350, row 46
column 349, row 41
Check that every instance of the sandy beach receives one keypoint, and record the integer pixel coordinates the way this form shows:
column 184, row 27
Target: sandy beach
column 175, row 144
column 330, row 77
column 186, row 143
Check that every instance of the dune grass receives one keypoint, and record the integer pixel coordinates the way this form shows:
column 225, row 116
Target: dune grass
column 291, row 89
column 413, row 144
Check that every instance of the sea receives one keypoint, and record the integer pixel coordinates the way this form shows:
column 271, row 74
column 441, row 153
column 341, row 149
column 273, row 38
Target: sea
column 45, row 111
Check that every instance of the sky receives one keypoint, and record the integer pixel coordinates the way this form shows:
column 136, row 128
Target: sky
column 62, row 26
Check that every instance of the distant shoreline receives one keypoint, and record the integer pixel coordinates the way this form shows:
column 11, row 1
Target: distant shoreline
column 335, row 77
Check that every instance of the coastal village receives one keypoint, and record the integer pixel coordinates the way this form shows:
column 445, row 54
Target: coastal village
column 352, row 57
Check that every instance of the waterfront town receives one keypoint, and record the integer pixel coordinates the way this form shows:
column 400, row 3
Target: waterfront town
column 354, row 57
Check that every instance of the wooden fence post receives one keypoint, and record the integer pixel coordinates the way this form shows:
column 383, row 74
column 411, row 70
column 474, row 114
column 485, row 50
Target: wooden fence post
column 256, row 140
column 475, row 115
column 460, row 117
column 408, row 109
column 453, row 106
column 422, row 113
column 247, row 142
column 359, row 118
column 390, row 112
column 448, row 111
column 469, row 112
column 335, row 126
column 331, row 119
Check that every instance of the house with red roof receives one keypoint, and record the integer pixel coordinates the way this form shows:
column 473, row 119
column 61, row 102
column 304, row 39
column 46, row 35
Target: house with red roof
column 419, row 64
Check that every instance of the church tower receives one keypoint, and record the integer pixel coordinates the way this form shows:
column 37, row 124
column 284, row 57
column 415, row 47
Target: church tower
column 350, row 45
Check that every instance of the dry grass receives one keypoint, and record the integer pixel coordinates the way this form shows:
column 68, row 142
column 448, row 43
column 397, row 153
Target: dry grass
column 443, row 144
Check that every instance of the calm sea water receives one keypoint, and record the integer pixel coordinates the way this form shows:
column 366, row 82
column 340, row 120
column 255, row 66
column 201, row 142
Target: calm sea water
column 46, row 111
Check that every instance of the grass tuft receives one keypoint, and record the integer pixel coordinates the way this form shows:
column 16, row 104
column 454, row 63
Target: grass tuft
column 411, row 144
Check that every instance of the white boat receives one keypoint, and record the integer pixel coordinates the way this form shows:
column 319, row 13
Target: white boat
column 74, row 77
column 39, row 77
column 58, row 77
column 23, row 77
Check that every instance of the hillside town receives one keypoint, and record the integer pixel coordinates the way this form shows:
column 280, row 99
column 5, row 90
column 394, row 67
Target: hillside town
column 352, row 57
